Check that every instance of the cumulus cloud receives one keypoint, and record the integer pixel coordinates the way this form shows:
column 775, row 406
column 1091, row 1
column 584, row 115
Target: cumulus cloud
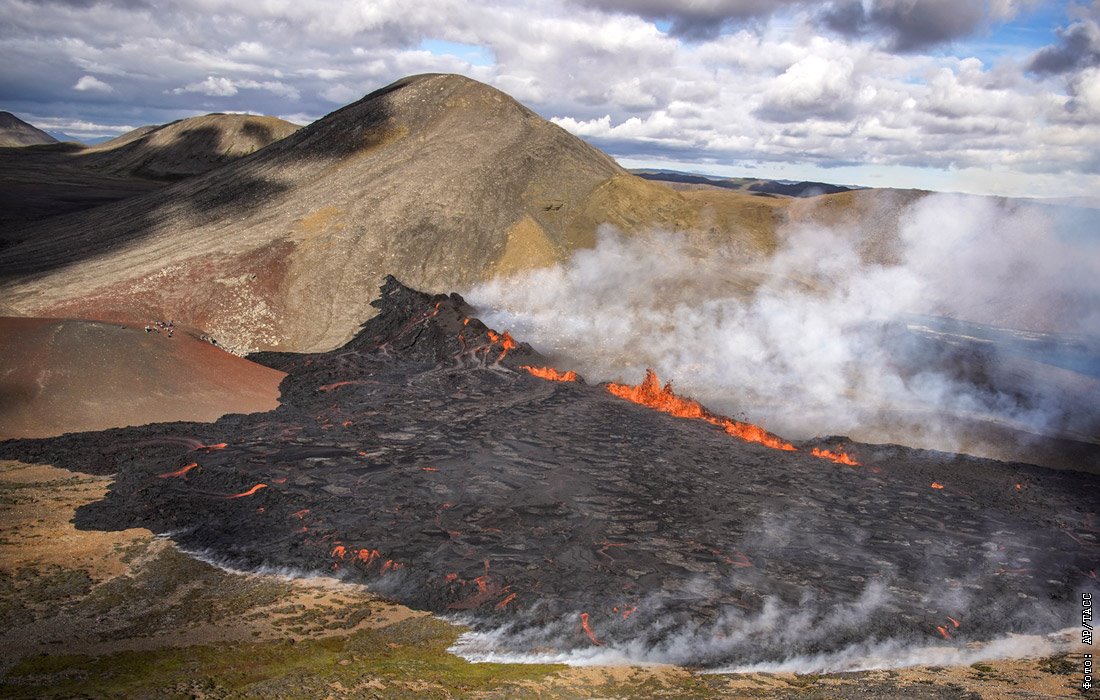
column 226, row 87
column 1078, row 46
column 91, row 83
column 812, row 87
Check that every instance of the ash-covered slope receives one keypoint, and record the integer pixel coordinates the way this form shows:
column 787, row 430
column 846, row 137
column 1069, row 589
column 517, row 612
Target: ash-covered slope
column 439, row 177
column 186, row 147
column 16, row 132
column 421, row 458
column 45, row 182
column 66, row 375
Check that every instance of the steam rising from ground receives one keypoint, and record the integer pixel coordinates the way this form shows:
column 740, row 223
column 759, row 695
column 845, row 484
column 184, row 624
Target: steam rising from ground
column 818, row 338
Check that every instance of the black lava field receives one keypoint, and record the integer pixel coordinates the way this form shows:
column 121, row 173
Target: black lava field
column 423, row 460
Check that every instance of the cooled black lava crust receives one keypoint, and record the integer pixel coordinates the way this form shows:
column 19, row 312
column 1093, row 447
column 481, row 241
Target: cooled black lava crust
column 419, row 460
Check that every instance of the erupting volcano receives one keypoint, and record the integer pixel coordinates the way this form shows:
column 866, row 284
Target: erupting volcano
column 431, row 458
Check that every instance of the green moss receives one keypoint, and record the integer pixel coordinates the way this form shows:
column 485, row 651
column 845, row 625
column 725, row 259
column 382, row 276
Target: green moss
column 409, row 652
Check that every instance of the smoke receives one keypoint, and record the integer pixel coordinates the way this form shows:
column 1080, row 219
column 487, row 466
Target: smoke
column 842, row 330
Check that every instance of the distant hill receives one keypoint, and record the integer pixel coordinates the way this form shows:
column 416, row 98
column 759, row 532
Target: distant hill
column 16, row 132
column 767, row 187
column 58, row 178
column 439, row 178
column 186, row 147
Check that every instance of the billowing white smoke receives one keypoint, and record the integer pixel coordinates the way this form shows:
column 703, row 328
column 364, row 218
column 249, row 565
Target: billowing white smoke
column 798, row 341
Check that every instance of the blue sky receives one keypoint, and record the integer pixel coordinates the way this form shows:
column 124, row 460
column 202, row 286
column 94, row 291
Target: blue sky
column 987, row 96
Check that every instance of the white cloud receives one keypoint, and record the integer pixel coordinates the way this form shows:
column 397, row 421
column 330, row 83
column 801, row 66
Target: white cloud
column 92, row 84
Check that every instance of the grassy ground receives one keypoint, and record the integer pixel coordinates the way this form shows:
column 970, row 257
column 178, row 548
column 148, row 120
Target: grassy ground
column 91, row 614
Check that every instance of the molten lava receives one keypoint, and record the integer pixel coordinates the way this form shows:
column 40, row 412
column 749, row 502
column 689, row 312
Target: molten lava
column 551, row 374
column 649, row 393
column 506, row 342
column 954, row 622
column 588, row 629
column 502, row 604
column 838, row 457
column 943, row 632
column 937, row 485
column 249, row 492
column 179, row 472
column 209, row 448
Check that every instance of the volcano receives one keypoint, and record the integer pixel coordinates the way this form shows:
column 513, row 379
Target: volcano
column 444, row 463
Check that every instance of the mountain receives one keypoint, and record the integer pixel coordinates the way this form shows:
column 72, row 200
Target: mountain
column 16, row 132
column 61, row 178
column 64, row 375
column 440, row 178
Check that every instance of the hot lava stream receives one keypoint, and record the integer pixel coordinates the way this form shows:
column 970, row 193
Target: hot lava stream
column 426, row 458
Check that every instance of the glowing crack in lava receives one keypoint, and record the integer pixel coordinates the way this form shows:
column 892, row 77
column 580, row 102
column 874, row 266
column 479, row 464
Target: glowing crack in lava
column 588, row 629
column 649, row 393
column 550, row 374
column 249, row 492
column 179, row 472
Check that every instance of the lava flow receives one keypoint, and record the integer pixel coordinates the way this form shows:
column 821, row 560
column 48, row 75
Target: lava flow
column 588, row 629
column 649, row 393
column 423, row 459
column 249, row 492
column 550, row 374
column 838, row 457
column 179, row 472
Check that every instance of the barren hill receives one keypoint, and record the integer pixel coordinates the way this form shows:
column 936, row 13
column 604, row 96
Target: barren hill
column 62, row 375
column 62, row 178
column 436, row 177
column 16, row 132
column 186, row 147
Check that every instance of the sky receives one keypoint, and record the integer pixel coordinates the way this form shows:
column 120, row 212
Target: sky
column 982, row 96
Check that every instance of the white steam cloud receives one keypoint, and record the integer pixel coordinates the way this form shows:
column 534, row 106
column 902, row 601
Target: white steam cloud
column 820, row 338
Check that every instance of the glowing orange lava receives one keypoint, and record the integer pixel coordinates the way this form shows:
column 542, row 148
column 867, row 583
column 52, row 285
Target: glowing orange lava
column 178, row 472
column 218, row 446
column 943, row 632
column 339, row 551
column 953, row 621
column 588, row 629
column 368, row 555
column 629, row 611
column 505, row 340
column 649, row 393
column 249, row 492
column 551, row 374
column 838, row 457
column 937, row 485
column 502, row 604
